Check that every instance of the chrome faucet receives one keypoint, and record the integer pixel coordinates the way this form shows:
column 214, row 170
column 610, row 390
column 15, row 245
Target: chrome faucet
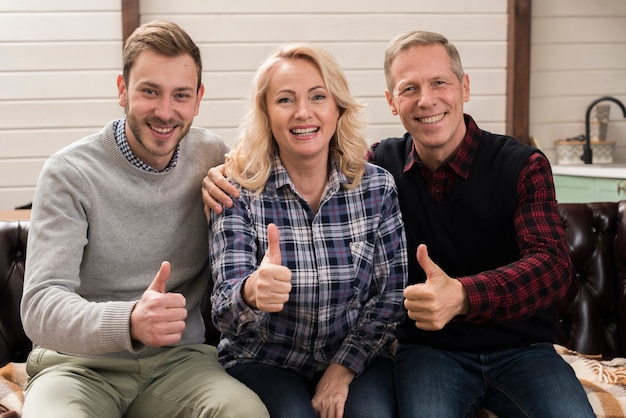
column 586, row 157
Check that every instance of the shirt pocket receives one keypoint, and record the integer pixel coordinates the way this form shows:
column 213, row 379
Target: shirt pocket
column 362, row 264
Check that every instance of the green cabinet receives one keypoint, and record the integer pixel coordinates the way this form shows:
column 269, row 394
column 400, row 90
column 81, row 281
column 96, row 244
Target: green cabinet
column 575, row 189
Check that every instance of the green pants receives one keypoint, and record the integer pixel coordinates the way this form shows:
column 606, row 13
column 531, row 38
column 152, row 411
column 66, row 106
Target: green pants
column 181, row 382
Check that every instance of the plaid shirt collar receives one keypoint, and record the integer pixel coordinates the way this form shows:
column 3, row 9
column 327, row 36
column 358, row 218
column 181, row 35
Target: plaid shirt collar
column 461, row 162
column 122, row 142
column 280, row 178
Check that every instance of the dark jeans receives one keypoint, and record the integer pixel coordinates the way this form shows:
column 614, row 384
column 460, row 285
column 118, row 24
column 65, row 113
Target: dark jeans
column 288, row 394
column 526, row 382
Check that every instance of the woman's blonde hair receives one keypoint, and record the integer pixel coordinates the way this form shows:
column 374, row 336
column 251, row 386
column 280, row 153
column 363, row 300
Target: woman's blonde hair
column 250, row 161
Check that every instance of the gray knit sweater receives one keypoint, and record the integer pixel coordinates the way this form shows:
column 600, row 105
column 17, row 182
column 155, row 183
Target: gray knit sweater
column 99, row 230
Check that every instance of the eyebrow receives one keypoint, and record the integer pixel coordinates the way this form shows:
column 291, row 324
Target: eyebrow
column 308, row 91
column 157, row 86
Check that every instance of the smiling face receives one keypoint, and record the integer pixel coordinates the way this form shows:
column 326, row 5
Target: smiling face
column 303, row 115
column 161, row 100
column 429, row 98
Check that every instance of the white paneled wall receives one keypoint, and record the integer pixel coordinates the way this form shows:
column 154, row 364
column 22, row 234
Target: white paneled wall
column 60, row 59
column 235, row 37
column 578, row 54
column 57, row 82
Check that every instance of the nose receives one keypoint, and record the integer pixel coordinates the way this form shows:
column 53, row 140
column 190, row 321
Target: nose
column 425, row 97
column 303, row 110
column 165, row 108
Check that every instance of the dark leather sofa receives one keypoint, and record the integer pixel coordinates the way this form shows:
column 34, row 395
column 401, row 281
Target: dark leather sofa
column 591, row 318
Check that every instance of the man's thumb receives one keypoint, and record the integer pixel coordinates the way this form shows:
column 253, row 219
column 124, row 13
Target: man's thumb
column 273, row 244
column 158, row 284
column 424, row 260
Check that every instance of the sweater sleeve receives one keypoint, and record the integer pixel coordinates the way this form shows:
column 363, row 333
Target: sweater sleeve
column 54, row 315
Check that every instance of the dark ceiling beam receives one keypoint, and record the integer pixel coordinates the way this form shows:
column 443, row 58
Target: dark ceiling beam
column 518, row 70
column 130, row 17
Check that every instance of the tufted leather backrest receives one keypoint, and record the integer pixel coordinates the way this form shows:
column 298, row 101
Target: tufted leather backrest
column 14, row 345
column 591, row 318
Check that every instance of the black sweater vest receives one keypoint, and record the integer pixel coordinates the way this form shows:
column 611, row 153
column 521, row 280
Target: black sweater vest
column 469, row 231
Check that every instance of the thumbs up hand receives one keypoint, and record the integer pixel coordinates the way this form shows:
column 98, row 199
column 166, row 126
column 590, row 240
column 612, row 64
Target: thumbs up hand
column 438, row 300
column 158, row 319
column 268, row 287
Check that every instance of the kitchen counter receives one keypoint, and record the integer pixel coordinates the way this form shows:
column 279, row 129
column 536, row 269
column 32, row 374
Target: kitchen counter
column 607, row 171
column 590, row 182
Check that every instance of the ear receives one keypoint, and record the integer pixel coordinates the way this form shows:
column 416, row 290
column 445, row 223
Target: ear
column 199, row 99
column 390, row 102
column 465, row 85
column 122, row 97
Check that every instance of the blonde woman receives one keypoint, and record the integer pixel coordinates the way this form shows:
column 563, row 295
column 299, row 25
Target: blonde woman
column 310, row 262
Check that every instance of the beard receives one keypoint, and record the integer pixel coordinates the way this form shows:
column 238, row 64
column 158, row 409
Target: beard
column 155, row 147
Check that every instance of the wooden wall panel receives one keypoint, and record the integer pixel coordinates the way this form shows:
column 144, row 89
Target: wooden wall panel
column 54, row 56
column 58, row 5
column 68, row 26
column 45, row 114
column 36, row 85
column 20, row 173
column 151, row 7
column 37, row 143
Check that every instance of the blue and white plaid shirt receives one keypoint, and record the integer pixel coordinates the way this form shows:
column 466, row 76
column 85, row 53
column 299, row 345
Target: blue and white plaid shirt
column 349, row 266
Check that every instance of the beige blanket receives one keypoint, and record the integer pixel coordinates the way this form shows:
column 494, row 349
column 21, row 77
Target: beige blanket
column 604, row 382
column 12, row 381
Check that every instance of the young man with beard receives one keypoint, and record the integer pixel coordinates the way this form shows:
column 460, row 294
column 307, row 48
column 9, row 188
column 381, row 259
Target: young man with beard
column 117, row 255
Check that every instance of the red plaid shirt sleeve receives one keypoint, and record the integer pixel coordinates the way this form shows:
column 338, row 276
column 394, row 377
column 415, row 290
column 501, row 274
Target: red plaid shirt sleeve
column 544, row 270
